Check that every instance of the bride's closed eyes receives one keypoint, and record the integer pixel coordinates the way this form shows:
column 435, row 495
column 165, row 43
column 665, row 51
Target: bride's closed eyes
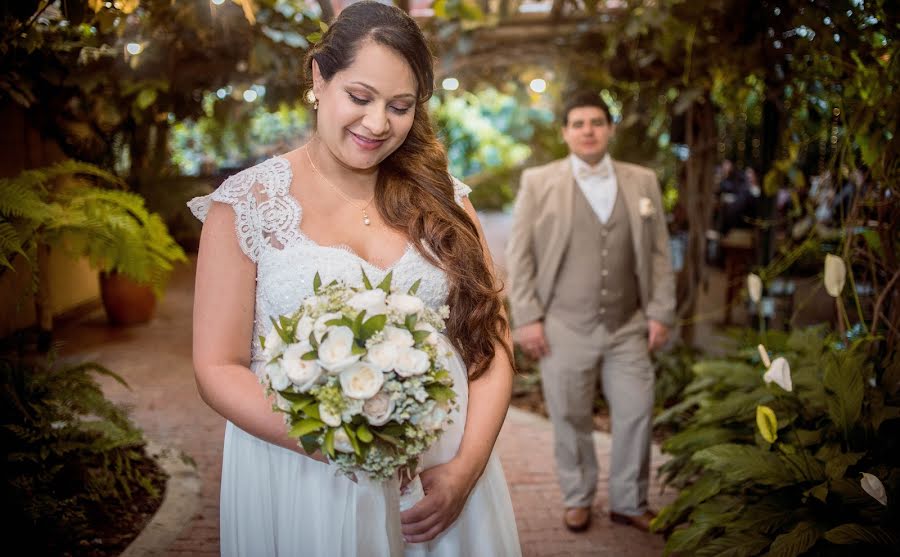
column 362, row 102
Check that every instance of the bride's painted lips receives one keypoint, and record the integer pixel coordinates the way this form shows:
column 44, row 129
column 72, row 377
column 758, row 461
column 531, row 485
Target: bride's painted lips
column 366, row 143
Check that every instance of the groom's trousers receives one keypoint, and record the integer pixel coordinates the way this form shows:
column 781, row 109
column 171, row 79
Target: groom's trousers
column 569, row 376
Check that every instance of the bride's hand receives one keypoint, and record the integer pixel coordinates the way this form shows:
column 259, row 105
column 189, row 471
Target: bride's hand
column 447, row 487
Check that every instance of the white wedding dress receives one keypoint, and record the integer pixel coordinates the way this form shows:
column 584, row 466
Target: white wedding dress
column 275, row 502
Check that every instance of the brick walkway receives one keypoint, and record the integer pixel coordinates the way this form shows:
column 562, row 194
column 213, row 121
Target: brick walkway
column 155, row 359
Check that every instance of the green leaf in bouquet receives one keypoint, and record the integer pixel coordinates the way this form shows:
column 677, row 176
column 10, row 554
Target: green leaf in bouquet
column 366, row 282
column 420, row 336
column 262, row 342
column 388, row 438
column 363, row 434
column 356, row 349
column 311, row 355
column 281, row 332
column 372, row 325
column 340, row 322
column 440, row 393
column 291, row 396
column 411, row 320
column 305, row 427
column 386, row 283
column 442, row 376
column 352, row 436
column 312, row 411
column 312, row 340
column 357, row 324
column 414, row 288
column 329, row 443
column 317, row 283
column 310, row 443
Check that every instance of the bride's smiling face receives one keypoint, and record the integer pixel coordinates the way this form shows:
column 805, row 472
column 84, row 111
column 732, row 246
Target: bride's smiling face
column 366, row 110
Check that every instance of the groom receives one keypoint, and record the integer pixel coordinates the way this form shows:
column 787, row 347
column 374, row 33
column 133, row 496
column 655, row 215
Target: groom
column 592, row 293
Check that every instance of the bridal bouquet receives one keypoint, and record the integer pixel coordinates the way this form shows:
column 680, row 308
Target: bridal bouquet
column 359, row 375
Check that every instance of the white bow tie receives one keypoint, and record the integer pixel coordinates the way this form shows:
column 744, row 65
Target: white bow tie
column 586, row 172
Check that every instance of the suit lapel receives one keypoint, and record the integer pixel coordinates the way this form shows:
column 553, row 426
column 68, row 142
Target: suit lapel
column 557, row 202
column 631, row 194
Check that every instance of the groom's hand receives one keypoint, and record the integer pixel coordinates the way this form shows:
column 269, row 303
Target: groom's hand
column 658, row 335
column 447, row 487
column 532, row 340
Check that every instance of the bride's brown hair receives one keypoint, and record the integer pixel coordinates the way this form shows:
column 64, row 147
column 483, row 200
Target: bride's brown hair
column 414, row 192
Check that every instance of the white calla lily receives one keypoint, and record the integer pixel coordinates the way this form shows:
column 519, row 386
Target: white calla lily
column 764, row 356
column 754, row 287
column 780, row 374
column 835, row 275
column 873, row 486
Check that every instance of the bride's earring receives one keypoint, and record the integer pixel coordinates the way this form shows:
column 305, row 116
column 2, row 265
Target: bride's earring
column 311, row 98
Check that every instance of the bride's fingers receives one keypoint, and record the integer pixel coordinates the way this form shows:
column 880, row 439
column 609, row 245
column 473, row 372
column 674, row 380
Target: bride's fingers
column 422, row 526
column 427, row 536
column 421, row 510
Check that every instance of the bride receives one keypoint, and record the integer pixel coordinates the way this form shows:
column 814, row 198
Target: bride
column 371, row 191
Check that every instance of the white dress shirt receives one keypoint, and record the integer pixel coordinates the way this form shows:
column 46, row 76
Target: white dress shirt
column 598, row 183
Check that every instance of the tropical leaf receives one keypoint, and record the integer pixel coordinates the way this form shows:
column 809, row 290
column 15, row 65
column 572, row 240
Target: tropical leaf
column 741, row 463
column 843, row 383
column 850, row 533
column 796, row 542
column 734, row 544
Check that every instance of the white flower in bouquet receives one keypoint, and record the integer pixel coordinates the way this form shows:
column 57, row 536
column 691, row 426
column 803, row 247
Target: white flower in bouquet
column 405, row 304
column 361, row 380
column 432, row 338
column 412, row 362
column 336, row 351
column 302, row 373
column 320, row 327
column 304, row 328
column 401, row 338
column 435, row 419
column 382, row 355
column 370, row 301
column 274, row 345
column 342, row 441
column 354, row 408
column 378, row 408
column 330, row 418
column 278, row 379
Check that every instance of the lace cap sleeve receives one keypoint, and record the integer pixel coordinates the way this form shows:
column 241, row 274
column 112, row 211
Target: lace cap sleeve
column 460, row 190
column 240, row 193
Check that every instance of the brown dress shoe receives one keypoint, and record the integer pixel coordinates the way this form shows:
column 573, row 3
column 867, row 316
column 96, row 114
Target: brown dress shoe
column 641, row 521
column 577, row 519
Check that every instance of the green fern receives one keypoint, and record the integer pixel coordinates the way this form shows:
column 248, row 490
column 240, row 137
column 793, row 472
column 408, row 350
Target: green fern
column 111, row 227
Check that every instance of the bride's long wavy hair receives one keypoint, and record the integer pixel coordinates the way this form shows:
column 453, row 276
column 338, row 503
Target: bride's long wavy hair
column 414, row 192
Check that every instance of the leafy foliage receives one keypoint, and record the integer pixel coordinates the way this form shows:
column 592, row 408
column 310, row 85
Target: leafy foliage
column 802, row 493
column 69, row 451
column 111, row 227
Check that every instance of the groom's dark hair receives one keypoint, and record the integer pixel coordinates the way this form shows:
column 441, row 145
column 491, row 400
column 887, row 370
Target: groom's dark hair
column 583, row 98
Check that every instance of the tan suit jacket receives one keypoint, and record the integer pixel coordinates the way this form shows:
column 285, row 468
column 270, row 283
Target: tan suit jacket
column 542, row 225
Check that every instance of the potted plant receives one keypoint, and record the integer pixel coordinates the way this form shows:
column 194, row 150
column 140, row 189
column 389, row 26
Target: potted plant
column 128, row 244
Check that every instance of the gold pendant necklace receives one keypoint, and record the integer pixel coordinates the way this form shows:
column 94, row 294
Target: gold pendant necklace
column 364, row 208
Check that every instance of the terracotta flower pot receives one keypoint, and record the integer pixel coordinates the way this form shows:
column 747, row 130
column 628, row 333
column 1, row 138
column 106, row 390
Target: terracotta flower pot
column 126, row 302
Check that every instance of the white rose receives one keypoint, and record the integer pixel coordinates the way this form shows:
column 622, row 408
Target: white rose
column 412, row 362
column 370, row 300
column 382, row 355
column 302, row 373
column 405, row 304
column 336, row 351
column 278, row 380
column 378, row 409
column 435, row 419
column 431, row 339
column 274, row 345
column 304, row 328
column 361, row 380
column 342, row 441
column 399, row 337
column 330, row 419
column 320, row 328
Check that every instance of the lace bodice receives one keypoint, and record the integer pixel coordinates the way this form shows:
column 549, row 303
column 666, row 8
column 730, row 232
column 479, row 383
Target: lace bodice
column 267, row 222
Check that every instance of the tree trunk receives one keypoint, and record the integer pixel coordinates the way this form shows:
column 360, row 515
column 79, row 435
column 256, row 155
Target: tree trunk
column 696, row 196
